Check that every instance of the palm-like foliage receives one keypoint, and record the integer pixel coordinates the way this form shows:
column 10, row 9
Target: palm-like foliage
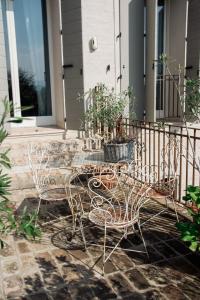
column 25, row 224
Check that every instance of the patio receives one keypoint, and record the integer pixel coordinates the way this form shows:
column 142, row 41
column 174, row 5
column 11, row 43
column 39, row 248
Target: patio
column 46, row 270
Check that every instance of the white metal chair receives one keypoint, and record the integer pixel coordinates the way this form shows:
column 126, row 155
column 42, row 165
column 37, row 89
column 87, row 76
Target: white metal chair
column 166, row 184
column 46, row 162
column 116, row 196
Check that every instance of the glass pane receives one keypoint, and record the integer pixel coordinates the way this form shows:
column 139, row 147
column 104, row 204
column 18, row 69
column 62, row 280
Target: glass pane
column 32, row 52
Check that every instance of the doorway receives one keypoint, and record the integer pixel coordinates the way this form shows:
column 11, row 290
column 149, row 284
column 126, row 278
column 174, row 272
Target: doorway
column 27, row 55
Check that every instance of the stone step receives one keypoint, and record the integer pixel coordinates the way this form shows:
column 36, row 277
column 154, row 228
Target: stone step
column 20, row 173
column 21, row 177
column 19, row 150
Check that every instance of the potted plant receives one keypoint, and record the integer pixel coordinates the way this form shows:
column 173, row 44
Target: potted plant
column 104, row 116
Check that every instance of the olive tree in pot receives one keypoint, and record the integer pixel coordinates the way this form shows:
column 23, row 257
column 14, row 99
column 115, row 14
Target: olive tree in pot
column 105, row 117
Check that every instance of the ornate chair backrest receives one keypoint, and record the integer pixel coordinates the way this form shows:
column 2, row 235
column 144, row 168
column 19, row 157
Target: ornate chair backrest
column 167, row 180
column 38, row 162
column 44, row 161
column 119, row 194
column 169, row 156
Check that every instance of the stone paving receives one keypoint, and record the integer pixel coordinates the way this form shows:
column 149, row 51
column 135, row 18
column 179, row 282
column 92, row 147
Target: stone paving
column 46, row 270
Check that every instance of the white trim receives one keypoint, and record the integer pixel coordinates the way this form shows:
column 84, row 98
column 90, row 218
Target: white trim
column 51, row 66
column 13, row 57
column 35, row 120
column 62, row 59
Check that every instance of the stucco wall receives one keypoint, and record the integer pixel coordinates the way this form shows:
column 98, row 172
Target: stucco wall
column 98, row 20
column 72, row 52
column 193, row 51
column 3, row 69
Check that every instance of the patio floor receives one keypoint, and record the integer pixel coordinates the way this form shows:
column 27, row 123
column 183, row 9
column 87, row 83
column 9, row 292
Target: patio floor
column 46, row 270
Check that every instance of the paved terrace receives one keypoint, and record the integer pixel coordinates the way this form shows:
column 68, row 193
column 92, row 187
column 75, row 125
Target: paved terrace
column 46, row 270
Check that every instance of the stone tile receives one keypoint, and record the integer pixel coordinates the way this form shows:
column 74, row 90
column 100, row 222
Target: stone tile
column 178, row 247
column 101, row 290
column 79, row 254
column 190, row 287
column 33, row 283
column 160, row 275
column 181, row 265
column 150, row 295
column 45, row 261
column 23, row 247
column 52, row 280
column 109, row 267
column 13, row 286
column 194, row 259
column 140, row 258
column 137, row 279
column 153, row 295
column 164, row 250
column 28, row 265
column 61, row 256
column 7, row 251
column 150, row 237
column 120, row 285
column 9, row 267
column 95, row 251
column 61, row 294
column 122, row 262
column 70, row 273
column 18, row 298
column 39, row 296
column 135, row 296
column 50, row 273
column 81, row 291
column 172, row 292
column 38, row 246
column 162, row 235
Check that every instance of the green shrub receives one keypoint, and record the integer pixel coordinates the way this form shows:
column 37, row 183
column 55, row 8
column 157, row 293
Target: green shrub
column 190, row 230
column 10, row 223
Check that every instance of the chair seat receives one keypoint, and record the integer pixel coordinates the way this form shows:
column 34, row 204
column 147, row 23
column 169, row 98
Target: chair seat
column 112, row 219
column 54, row 194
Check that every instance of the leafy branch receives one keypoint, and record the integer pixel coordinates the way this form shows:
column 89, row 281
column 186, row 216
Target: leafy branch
column 190, row 230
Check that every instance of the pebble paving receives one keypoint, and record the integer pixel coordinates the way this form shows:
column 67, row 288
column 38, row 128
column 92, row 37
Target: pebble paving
column 50, row 270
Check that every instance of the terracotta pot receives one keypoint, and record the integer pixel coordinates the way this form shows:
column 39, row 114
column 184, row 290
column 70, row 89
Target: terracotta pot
column 165, row 186
column 108, row 180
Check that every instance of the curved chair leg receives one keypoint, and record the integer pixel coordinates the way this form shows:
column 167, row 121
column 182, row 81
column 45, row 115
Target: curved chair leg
column 104, row 250
column 174, row 205
column 38, row 208
column 144, row 243
column 82, row 233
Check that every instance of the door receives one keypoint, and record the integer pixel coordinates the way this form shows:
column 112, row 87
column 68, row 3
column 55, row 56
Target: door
column 27, row 52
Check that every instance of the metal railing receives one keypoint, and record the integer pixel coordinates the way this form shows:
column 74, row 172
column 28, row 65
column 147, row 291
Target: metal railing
column 152, row 138
column 155, row 137
column 167, row 99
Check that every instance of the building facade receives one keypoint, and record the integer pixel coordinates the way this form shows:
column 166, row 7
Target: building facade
column 53, row 50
